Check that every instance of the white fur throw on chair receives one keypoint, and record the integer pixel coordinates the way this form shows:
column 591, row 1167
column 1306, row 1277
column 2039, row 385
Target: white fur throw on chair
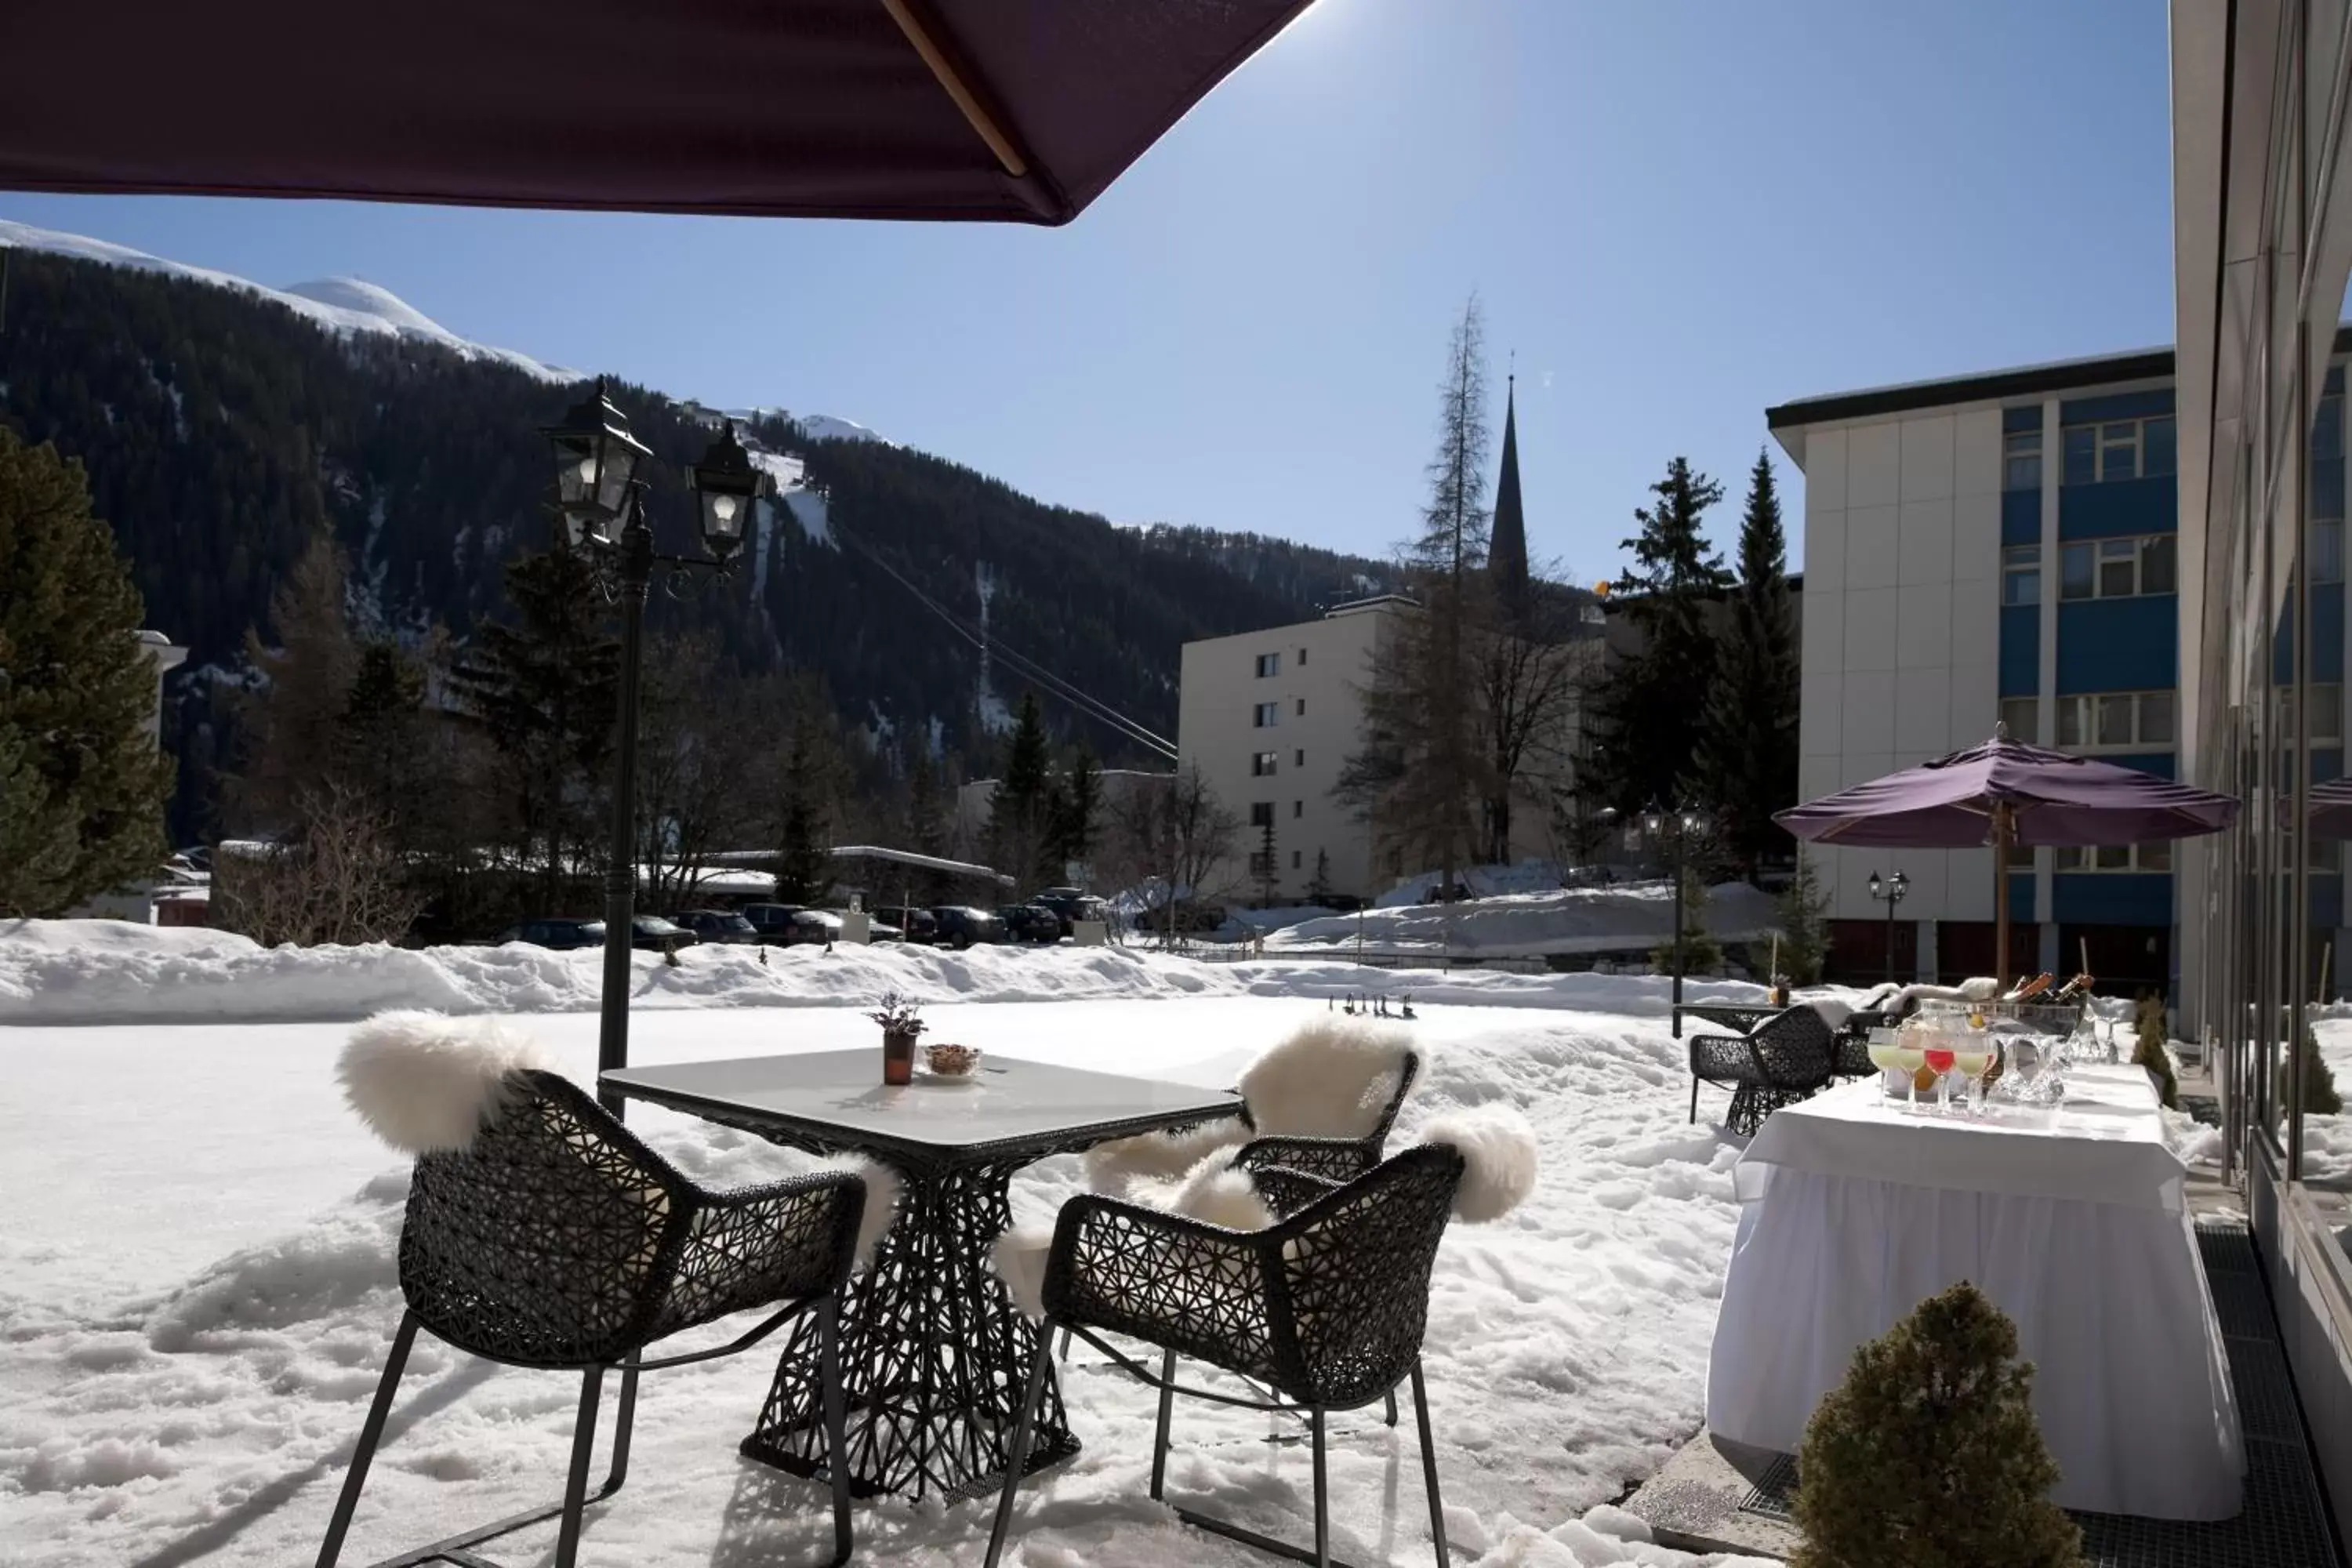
column 426, row 1083
column 1499, row 1152
column 1332, row 1079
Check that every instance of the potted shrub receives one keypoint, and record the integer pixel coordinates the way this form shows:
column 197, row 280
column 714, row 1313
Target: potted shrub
column 900, row 1024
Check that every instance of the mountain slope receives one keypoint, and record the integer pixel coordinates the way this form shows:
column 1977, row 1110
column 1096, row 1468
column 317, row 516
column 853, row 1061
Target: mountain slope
column 222, row 426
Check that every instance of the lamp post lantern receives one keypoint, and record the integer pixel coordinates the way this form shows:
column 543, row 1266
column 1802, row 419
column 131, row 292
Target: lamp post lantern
column 600, row 497
column 1674, row 825
column 1890, row 893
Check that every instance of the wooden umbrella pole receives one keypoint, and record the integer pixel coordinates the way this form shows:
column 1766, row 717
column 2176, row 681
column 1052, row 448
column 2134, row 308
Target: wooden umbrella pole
column 2002, row 828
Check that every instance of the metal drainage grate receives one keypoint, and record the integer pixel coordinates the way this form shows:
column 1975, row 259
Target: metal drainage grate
column 2242, row 1303
column 1774, row 1491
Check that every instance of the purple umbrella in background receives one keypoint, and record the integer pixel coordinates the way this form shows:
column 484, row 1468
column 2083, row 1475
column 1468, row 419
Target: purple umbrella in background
column 2004, row 792
column 2331, row 808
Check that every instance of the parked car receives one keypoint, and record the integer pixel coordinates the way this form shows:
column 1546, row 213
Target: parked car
column 916, row 925
column 1030, row 922
column 564, row 935
column 1073, row 905
column 790, row 925
column 716, row 925
column 653, row 933
column 960, row 925
column 879, row 929
column 1438, row 893
column 1339, row 903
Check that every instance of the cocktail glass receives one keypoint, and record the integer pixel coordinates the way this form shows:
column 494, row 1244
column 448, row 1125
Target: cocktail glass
column 1972, row 1060
column 1909, row 1057
column 1885, row 1050
column 1940, row 1057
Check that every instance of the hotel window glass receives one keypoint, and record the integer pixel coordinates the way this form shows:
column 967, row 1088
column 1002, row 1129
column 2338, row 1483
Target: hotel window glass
column 2118, row 568
column 2115, row 721
column 2021, row 575
column 1262, row 764
column 2327, row 428
column 1268, row 664
column 2022, row 715
column 2155, row 856
column 2327, row 715
column 2327, row 549
column 1302, row 707
column 1261, row 814
column 1297, row 809
column 1302, row 658
column 2022, row 461
column 1269, row 715
column 1295, row 863
column 2116, row 449
column 1299, row 758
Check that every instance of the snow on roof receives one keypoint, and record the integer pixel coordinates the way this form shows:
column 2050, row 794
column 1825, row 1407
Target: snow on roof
column 921, row 862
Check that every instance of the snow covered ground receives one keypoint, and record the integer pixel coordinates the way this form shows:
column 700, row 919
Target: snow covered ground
column 196, row 1279
column 1576, row 919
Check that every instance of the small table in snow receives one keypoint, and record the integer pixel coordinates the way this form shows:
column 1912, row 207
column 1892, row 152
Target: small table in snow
column 2071, row 1218
column 934, row 1353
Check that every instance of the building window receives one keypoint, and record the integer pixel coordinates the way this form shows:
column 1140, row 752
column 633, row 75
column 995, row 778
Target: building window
column 2116, row 722
column 2118, row 568
column 1295, row 864
column 2151, row 857
column 2022, row 715
column 2022, row 461
column 1297, row 809
column 2327, row 428
column 2021, row 575
column 1302, row 658
column 2115, row 449
column 1302, row 707
column 2327, row 549
column 1268, row 715
column 1268, row 664
column 1261, row 814
column 1299, row 758
column 1261, row 862
column 2327, row 715
column 1262, row 764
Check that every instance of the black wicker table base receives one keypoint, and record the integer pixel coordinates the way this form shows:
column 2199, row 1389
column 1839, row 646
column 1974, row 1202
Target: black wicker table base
column 935, row 1356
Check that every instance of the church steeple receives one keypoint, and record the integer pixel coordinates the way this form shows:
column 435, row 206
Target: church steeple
column 1506, row 552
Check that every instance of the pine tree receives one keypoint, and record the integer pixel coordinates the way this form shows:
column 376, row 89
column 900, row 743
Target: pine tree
column 1017, row 816
column 1702, row 953
column 292, row 728
column 1747, row 747
column 1269, row 867
column 1804, row 913
column 804, row 869
column 546, row 690
column 1319, row 886
column 1928, row 1457
column 1420, row 766
column 1648, row 708
column 1076, row 816
column 83, row 781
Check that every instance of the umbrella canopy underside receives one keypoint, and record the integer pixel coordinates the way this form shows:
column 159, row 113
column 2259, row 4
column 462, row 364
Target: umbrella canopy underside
column 2053, row 799
column 979, row 110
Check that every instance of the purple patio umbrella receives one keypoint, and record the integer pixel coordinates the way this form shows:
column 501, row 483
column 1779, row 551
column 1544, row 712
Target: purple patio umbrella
column 2331, row 808
column 2003, row 793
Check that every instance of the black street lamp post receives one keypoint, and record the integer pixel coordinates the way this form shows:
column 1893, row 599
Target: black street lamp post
column 601, row 501
column 1674, row 825
column 1890, row 893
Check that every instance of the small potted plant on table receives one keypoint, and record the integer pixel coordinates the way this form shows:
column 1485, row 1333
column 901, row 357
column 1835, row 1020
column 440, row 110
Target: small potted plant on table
column 900, row 1024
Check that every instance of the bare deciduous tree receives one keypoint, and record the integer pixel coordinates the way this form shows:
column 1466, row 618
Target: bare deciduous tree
column 337, row 880
column 1185, row 838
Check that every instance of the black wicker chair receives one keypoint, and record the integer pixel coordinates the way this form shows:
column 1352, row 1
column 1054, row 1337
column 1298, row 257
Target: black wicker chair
column 1784, row 1059
column 559, row 1240
column 1323, row 1310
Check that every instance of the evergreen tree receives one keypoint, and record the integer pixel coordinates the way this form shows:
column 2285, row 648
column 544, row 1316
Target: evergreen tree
column 83, row 780
column 1702, row 953
column 546, row 690
column 1077, row 818
column 1747, row 747
column 804, row 869
column 1805, row 914
column 1928, row 1457
column 1269, row 866
column 293, row 727
column 1017, row 816
column 1420, row 766
column 1319, row 886
column 1648, row 709
column 926, row 826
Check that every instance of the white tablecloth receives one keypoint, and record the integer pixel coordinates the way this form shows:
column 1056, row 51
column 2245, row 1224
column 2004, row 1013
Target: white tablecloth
column 2071, row 1220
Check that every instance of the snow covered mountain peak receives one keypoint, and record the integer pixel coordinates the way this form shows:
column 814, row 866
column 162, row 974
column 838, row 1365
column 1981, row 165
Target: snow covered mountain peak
column 362, row 298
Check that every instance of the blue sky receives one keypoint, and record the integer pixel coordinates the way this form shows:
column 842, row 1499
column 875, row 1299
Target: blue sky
column 1676, row 214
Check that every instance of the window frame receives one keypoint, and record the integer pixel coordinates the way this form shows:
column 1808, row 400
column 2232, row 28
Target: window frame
column 2099, row 554
column 2132, row 436
column 1266, row 716
column 1265, row 764
column 2087, row 707
column 2071, row 861
column 1269, row 665
column 2020, row 563
column 2016, row 448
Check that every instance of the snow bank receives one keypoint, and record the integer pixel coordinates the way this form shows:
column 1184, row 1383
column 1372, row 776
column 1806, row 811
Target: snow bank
column 112, row 972
column 1632, row 915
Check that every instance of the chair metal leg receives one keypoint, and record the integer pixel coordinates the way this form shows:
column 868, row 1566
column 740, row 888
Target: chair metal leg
column 624, row 1420
column 1429, row 1464
column 1065, row 1345
column 1388, row 1412
column 1019, row 1457
column 575, row 1485
column 1159, row 1432
column 836, row 1443
column 370, row 1434
column 1693, row 1115
column 1322, row 1494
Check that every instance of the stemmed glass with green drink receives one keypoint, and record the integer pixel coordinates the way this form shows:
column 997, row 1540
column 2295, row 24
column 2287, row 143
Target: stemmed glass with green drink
column 1885, row 1054
column 1972, row 1059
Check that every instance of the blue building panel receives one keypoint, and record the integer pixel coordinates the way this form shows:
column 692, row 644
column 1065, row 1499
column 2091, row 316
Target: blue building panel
column 2326, row 764
column 2125, row 506
column 2327, row 487
column 2021, row 517
column 2020, row 650
column 2015, row 421
column 2327, row 899
column 2115, row 645
column 2163, row 765
column 2116, row 405
column 2326, row 639
column 2111, row 898
column 2021, row 895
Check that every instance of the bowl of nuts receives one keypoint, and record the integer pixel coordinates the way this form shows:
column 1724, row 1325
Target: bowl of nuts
column 951, row 1060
